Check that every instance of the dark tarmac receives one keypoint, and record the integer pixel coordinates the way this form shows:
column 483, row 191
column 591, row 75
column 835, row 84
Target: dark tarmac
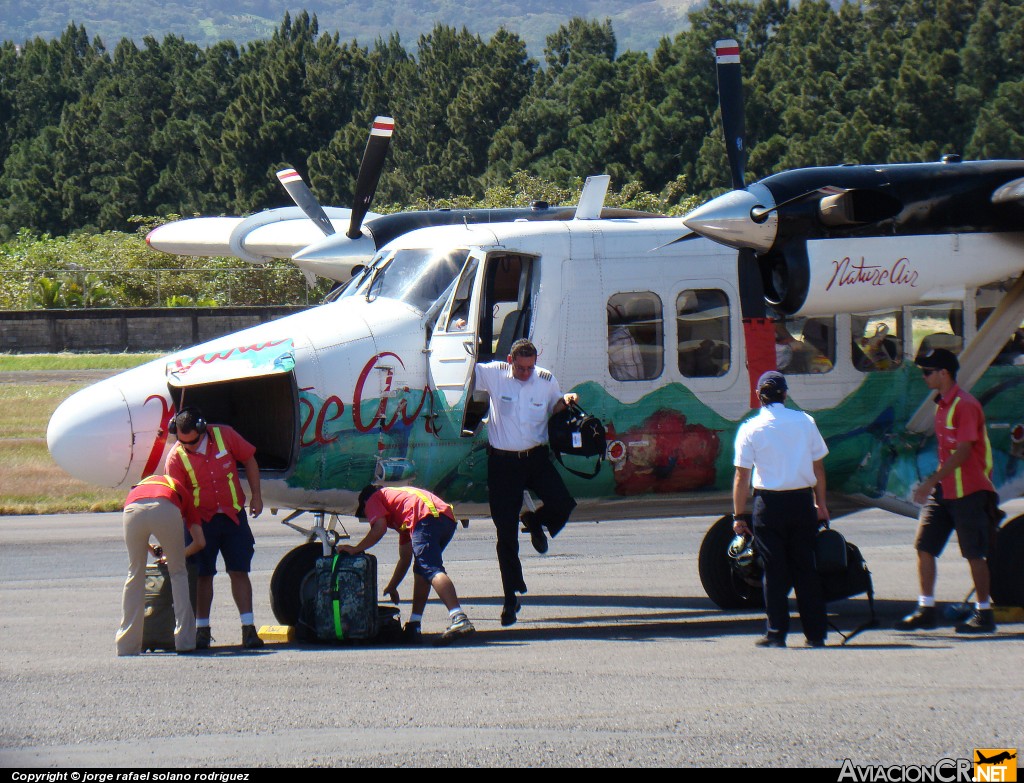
column 619, row 659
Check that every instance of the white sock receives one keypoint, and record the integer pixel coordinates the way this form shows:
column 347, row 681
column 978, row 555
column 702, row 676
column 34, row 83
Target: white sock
column 247, row 618
column 455, row 611
column 415, row 618
column 926, row 600
column 202, row 623
column 983, row 605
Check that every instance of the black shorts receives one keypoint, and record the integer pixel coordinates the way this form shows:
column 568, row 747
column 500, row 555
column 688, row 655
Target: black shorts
column 235, row 542
column 967, row 515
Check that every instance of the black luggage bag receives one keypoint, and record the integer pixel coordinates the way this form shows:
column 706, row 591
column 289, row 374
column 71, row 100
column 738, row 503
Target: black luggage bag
column 339, row 600
column 847, row 582
column 158, row 624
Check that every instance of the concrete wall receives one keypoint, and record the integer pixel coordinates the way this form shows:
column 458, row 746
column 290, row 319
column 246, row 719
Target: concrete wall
column 126, row 329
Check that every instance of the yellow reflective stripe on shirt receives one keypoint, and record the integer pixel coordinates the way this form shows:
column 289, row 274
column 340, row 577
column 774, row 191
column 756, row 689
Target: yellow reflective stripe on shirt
column 958, row 474
column 191, row 473
column 422, row 495
column 163, row 481
column 219, row 438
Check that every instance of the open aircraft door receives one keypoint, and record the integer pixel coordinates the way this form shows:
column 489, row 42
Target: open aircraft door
column 490, row 307
column 250, row 388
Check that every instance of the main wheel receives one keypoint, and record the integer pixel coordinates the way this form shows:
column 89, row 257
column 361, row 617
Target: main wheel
column 1007, row 564
column 286, row 583
column 722, row 584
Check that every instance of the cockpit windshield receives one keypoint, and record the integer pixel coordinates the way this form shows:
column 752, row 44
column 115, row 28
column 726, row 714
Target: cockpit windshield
column 416, row 276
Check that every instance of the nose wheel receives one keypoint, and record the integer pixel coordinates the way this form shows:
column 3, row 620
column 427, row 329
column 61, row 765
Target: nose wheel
column 286, row 582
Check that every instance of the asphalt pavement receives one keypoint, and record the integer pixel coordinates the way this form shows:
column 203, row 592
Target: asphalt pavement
column 618, row 659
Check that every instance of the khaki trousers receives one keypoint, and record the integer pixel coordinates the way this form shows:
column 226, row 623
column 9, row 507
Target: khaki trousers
column 160, row 518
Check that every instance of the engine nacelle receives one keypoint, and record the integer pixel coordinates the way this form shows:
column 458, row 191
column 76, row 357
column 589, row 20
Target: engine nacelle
column 854, row 275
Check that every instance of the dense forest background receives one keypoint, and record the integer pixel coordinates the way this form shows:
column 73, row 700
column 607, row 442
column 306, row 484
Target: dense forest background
column 90, row 136
column 639, row 24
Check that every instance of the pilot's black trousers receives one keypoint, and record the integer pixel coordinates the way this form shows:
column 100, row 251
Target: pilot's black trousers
column 508, row 475
column 785, row 526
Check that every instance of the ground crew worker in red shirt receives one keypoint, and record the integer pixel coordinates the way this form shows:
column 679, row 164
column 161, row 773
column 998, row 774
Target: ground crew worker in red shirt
column 155, row 507
column 205, row 460
column 957, row 495
column 425, row 525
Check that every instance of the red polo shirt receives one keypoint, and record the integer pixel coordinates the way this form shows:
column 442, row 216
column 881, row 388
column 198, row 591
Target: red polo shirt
column 153, row 487
column 215, row 470
column 959, row 419
column 402, row 508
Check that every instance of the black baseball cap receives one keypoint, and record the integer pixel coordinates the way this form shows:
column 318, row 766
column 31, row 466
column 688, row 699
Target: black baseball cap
column 772, row 378
column 939, row 359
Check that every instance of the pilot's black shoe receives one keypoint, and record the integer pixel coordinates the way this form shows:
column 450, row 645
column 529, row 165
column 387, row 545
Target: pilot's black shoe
column 537, row 537
column 815, row 642
column 923, row 617
column 250, row 639
column 203, row 638
column 509, row 611
column 771, row 640
column 982, row 621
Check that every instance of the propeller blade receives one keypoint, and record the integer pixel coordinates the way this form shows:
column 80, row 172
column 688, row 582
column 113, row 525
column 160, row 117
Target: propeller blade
column 304, row 199
column 730, row 100
column 687, row 236
column 369, row 171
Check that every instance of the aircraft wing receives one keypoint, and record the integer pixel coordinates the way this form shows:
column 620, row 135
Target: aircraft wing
column 274, row 233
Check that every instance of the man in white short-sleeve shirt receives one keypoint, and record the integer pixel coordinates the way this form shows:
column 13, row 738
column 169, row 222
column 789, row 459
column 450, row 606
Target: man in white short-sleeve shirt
column 781, row 453
column 523, row 397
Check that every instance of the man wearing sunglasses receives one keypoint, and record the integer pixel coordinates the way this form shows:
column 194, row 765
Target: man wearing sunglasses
column 205, row 461
column 523, row 397
column 957, row 495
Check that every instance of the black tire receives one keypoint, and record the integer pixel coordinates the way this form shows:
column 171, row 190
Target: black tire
column 1007, row 564
column 286, row 583
column 722, row 584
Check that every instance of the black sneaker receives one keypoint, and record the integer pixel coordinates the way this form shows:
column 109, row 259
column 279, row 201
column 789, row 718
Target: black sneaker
column 509, row 611
column 203, row 638
column 537, row 537
column 250, row 639
column 982, row 621
column 923, row 617
column 412, row 634
column 770, row 640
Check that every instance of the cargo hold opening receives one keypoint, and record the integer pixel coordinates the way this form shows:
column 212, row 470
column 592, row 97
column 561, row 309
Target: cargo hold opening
column 262, row 409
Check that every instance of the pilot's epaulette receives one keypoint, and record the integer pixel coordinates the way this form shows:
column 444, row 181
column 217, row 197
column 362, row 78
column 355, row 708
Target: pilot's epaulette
column 504, row 366
column 544, row 374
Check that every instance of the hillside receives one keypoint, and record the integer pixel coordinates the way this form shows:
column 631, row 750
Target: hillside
column 639, row 24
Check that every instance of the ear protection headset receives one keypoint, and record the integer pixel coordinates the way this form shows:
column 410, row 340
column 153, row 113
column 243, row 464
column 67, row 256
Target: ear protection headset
column 172, row 426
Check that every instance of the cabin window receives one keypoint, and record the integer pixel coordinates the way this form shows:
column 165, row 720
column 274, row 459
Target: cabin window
column 635, row 336
column 702, row 329
column 877, row 344
column 938, row 326
column 416, row 277
column 805, row 345
column 986, row 299
column 458, row 318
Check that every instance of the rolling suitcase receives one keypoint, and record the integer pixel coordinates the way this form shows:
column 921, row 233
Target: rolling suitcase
column 344, row 600
column 158, row 625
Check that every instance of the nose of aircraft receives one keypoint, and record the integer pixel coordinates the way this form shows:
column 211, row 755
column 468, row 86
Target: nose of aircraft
column 729, row 219
column 90, row 435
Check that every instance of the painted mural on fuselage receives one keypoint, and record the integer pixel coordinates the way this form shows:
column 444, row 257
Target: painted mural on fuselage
column 365, row 392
